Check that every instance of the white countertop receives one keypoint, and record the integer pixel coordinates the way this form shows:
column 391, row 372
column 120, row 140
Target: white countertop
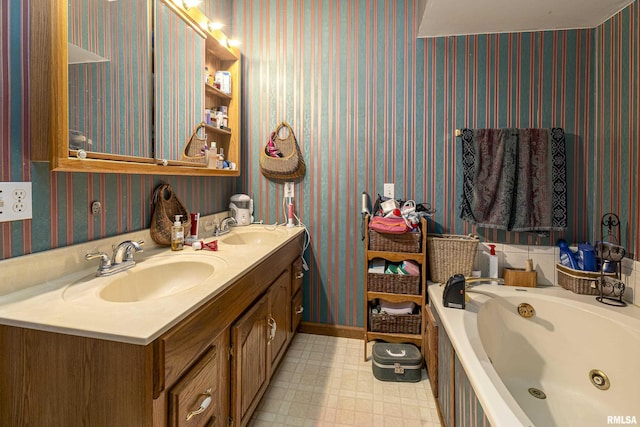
column 71, row 303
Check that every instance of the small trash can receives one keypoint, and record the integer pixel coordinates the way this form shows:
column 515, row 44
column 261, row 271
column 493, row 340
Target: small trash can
column 396, row 362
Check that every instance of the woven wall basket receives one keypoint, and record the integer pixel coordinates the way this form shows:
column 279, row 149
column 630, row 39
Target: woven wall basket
column 165, row 206
column 192, row 151
column 291, row 165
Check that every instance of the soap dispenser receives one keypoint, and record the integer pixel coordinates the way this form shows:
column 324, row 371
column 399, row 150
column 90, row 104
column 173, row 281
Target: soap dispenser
column 177, row 235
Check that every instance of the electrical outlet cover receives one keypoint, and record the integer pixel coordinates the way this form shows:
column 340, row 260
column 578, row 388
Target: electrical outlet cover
column 389, row 190
column 288, row 189
column 15, row 201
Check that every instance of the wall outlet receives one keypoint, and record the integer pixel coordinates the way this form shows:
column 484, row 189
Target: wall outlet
column 288, row 189
column 389, row 190
column 15, row 201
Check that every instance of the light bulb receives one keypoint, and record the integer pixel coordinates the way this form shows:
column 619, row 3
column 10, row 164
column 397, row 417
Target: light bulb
column 214, row 26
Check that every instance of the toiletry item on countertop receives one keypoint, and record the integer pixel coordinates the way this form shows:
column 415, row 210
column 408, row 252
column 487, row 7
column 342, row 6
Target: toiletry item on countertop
column 493, row 263
column 177, row 235
column 194, row 228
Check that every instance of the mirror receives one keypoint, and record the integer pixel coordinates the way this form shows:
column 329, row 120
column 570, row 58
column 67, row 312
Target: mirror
column 112, row 128
column 110, row 91
column 179, row 60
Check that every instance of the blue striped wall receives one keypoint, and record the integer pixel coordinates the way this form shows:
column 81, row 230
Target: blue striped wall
column 616, row 139
column 370, row 104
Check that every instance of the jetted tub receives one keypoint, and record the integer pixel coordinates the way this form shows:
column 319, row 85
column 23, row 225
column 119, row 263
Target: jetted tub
column 545, row 370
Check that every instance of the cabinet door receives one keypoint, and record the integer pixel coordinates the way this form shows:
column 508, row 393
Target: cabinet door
column 431, row 346
column 280, row 317
column 250, row 361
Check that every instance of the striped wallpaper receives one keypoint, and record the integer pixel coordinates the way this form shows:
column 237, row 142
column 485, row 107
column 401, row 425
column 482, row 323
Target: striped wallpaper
column 370, row 104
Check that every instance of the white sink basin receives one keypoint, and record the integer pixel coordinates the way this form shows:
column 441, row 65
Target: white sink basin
column 156, row 282
column 148, row 280
column 254, row 237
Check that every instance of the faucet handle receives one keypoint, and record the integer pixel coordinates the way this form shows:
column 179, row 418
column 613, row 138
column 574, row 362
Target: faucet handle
column 105, row 262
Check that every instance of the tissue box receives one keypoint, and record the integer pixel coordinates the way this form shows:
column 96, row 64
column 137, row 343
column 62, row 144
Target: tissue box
column 520, row 277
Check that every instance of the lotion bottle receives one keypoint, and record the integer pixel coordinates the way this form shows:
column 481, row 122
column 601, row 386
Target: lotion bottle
column 177, row 235
column 493, row 263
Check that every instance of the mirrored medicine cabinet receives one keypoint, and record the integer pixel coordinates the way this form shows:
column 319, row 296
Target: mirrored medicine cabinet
column 121, row 87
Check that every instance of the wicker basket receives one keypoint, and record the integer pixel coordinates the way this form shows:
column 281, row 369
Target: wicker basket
column 405, row 242
column 394, row 283
column 193, row 149
column 578, row 281
column 395, row 323
column 450, row 254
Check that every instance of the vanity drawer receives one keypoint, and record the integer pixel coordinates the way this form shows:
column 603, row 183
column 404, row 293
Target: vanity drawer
column 193, row 401
column 296, row 310
column 297, row 275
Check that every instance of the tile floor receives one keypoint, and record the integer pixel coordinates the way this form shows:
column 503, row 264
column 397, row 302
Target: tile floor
column 323, row 381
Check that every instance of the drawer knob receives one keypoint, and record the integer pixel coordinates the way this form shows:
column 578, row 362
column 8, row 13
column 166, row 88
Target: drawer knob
column 299, row 309
column 299, row 275
column 203, row 406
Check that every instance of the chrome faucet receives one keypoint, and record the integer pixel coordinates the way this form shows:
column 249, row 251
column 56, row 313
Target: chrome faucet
column 224, row 228
column 121, row 260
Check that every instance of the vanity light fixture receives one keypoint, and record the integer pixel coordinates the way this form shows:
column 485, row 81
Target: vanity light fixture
column 214, row 26
column 233, row 43
column 188, row 4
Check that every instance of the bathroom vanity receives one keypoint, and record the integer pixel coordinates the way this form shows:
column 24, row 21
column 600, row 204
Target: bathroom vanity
column 208, row 365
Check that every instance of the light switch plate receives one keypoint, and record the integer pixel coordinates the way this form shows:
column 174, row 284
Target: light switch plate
column 389, row 190
column 288, row 189
column 15, row 201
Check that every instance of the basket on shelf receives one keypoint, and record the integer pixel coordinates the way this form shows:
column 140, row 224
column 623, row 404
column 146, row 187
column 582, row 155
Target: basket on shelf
column 394, row 283
column 405, row 242
column 395, row 323
column 193, row 149
column 578, row 281
column 450, row 254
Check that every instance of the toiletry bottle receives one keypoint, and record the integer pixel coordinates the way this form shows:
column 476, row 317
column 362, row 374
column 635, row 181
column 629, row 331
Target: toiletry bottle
column 177, row 235
column 493, row 263
column 220, row 162
column 213, row 156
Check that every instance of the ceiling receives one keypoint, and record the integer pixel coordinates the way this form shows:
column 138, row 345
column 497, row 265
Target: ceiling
column 460, row 17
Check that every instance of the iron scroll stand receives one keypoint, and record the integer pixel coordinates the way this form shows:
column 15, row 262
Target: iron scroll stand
column 610, row 254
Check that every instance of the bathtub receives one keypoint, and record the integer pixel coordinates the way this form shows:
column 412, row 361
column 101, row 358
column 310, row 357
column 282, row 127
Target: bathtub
column 537, row 371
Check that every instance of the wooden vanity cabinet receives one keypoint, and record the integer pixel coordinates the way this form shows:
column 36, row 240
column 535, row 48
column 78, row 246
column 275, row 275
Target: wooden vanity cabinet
column 222, row 350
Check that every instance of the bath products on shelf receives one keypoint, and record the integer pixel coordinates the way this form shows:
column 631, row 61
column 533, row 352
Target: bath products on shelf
column 177, row 235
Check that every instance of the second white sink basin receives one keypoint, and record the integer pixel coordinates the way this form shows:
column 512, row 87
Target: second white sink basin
column 156, row 282
column 254, row 237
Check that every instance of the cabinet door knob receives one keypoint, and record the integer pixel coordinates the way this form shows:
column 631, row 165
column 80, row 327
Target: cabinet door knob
column 299, row 275
column 203, row 406
column 299, row 309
